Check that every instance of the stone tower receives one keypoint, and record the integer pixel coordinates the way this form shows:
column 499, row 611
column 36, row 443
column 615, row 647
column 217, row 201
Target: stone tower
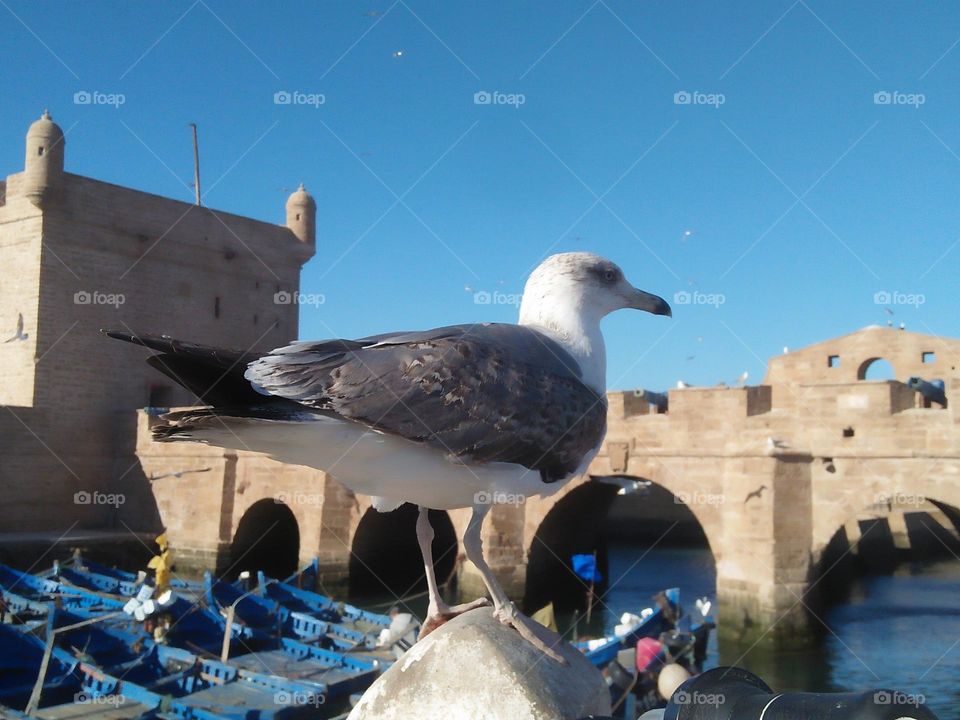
column 78, row 254
column 43, row 166
column 302, row 217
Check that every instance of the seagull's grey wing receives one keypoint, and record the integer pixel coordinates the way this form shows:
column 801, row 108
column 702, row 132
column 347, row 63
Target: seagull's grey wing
column 491, row 392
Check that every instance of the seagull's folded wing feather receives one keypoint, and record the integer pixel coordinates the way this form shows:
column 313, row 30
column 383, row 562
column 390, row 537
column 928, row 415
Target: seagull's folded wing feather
column 490, row 392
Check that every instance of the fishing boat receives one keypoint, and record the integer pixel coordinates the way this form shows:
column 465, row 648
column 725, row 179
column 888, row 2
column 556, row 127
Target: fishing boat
column 83, row 564
column 289, row 678
column 320, row 606
column 43, row 590
column 651, row 622
column 69, row 688
column 269, row 616
column 15, row 608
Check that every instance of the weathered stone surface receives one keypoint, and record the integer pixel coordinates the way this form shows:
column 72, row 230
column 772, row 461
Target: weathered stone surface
column 474, row 668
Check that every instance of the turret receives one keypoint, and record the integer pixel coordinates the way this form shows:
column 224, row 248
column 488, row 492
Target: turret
column 43, row 167
column 302, row 216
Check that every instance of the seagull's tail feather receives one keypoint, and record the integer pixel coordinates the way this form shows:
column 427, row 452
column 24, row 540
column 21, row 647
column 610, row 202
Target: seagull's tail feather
column 215, row 375
column 232, row 422
column 179, row 425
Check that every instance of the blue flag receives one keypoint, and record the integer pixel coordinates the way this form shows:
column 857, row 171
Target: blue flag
column 585, row 566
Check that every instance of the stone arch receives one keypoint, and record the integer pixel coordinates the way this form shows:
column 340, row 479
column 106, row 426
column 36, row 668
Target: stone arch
column 880, row 369
column 574, row 521
column 385, row 558
column 874, row 539
column 267, row 539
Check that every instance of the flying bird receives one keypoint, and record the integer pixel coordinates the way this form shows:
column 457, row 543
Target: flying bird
column 178, row 474
column 754, row 494
column 19, row 335
column 445, row 418
column 773, row 444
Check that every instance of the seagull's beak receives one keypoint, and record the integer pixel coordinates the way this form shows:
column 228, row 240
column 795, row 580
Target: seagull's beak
column 648, row 302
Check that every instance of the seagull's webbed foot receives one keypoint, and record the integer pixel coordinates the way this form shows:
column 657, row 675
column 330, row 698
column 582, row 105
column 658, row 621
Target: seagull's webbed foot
column 438, row 614
column 529, row 629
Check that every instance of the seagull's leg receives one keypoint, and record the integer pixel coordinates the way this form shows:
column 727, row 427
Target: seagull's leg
column 503, row 608
column 438, row 612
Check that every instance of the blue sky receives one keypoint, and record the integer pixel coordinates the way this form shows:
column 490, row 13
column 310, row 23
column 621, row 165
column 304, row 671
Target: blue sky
column 782, row 198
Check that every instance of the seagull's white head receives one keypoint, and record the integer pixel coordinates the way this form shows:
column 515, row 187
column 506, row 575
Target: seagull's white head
column 585, row 285
column 568, row 294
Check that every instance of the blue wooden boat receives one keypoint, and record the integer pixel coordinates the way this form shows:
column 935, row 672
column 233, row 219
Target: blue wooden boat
column 78, row 562
column 71, row 688
column 654, row 621
column 46, row 590
column 323, row 607
column 20, row 664
column 192, row 626
column 19, row 609
column 307, row 675
column 88, row 580
column 270, row 617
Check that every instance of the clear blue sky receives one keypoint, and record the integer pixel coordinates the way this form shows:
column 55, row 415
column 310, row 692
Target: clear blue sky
column 693, row 197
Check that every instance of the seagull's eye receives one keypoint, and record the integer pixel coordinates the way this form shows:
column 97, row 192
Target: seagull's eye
column 609, row 275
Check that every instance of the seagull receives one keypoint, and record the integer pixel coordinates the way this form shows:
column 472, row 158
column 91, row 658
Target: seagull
column 19, row 335
column 773, row 444
column 178, row 474
column 445, row 418
column 754, row 494
column 744, row 376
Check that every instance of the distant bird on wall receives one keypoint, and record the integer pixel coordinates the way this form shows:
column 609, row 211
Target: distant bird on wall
column 178, row 474
column 19, row 335
column 773, row 444
column 459, row 416
column 754, row 494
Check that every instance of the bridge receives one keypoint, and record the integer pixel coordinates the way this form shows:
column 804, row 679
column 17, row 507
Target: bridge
column 787, row 480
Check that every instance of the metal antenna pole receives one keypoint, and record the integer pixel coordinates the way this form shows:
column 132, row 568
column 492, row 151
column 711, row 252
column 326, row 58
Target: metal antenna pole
column 196, row 162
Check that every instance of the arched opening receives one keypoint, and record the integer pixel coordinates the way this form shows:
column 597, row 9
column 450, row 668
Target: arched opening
column 898, row 534
column 875, row 369
column 644, row 539
column 385, row 560
column 885, row 619
column 267, row 539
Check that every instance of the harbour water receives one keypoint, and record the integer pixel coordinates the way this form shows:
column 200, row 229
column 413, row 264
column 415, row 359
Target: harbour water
column 900, row 631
